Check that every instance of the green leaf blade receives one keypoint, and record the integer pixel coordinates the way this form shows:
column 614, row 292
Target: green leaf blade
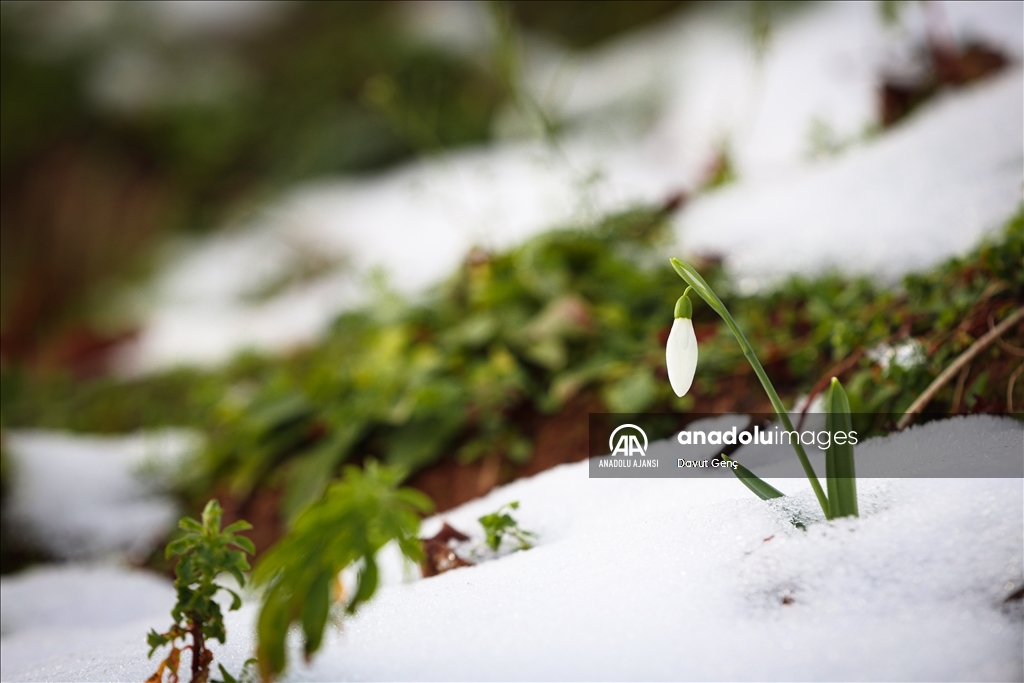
column 760, row 488
column 315, row 609
column 840, row 473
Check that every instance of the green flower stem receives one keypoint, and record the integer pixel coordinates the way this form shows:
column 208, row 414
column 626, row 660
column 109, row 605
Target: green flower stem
column 694, row 280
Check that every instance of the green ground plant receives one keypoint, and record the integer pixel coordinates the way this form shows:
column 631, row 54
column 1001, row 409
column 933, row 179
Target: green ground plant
column 204, row 551
column 355, row 518
column 500, row 525
column 466, row 371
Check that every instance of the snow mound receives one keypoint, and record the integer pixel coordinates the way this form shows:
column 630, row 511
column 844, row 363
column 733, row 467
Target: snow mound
column 81, row 597
column 919, row 194
column 90, row 496
column 684, row 579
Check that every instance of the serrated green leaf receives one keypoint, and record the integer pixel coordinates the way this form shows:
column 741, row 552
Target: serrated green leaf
column 235, row 527
column 245, row 544
column 155, row 640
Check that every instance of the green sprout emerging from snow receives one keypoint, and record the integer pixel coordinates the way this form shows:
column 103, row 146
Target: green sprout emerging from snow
column 204, row 552
column 681, row 360
column 500, row 525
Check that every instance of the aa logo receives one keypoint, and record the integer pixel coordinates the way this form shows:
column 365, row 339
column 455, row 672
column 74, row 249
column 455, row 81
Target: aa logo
column 628, row 444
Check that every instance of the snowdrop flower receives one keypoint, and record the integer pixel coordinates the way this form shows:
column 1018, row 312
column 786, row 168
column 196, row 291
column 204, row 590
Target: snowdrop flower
column 681, row 352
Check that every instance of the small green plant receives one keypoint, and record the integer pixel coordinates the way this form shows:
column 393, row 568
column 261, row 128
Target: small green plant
column 356, row 518
column 204, row 551
column 500, row 524
column 247, row 675
column 681, row 360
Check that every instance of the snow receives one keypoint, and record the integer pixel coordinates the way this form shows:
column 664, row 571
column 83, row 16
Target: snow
column 93, row 496
column 649, row 113
column 81, row 596
column 632, row 578
column 840, row 214
column 654, row 579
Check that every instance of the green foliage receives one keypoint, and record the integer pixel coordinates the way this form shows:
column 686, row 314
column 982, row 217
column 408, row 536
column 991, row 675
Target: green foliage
column 500, row 525
column 891, row 11
column 247, row 675
column 517, row 333
column 356, row 517
column 204, row 551
column 108, row 405
column 465, row 371
column 585, row 23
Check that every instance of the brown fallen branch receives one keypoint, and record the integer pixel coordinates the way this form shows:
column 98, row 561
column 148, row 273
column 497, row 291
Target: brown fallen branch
column 957, row 365
column 958, row 394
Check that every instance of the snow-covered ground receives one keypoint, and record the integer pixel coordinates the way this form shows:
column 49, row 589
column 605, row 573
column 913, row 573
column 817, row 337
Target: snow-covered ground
column 650, row 111
column 89, row 496
column 639, row 578
column 683, row 579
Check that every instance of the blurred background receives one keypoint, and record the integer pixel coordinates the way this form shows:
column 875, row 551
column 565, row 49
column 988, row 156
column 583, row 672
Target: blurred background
column 436, row 233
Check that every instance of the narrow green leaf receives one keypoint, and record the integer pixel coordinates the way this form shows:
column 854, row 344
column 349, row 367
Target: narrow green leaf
column 412, row 548
column 840, row 475
column 189, row 524
column 314, row 612
column 761, row 488
column 228, row 678
column 239, row 577
column 272, row 628
column 415, row 499
column 367, row 584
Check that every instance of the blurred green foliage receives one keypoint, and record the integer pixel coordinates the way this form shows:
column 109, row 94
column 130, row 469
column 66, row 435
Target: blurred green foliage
column 116, row 127
column 585, row 23
column 464, row 371
column 330, row 87
column 357, row 517
column 510, row 334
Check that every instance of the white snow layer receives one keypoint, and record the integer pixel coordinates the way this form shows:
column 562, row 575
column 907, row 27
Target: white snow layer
column 652, row 579
column 92, row 496
column 651, row 110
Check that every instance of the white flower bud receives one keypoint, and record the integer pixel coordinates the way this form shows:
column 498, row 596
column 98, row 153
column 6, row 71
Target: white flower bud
column 681, row 355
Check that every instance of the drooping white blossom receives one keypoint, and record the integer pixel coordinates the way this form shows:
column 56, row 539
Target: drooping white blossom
column 681, row 355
